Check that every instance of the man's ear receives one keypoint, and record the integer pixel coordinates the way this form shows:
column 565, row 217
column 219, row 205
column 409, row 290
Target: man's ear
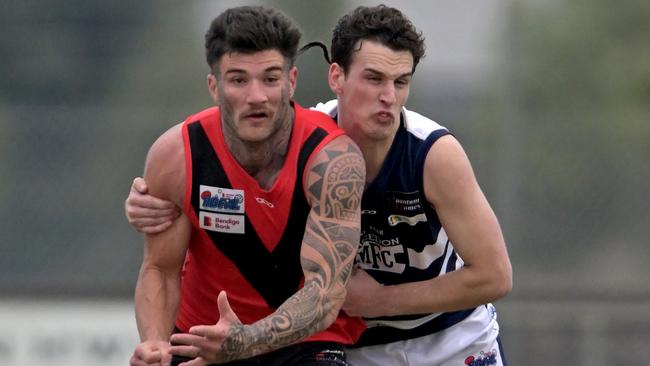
column 213, row 87
column 335, row 78
column 293, row 81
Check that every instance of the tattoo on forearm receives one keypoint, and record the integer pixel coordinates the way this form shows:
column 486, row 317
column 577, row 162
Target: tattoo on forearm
column 329, row 246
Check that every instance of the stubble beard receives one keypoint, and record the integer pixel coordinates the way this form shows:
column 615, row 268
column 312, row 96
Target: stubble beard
column 277, row 142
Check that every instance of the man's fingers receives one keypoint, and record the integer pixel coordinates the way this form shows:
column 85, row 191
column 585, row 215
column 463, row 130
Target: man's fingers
column 187, row 345
column 148, row 356
column 139, row 185
column 169, row 212
column 224, row 308
column 166, row 359
column 140, row 201
column 140, row 352
column 199, row 361
column 134, row 361
column 153, row 357
column 203, row 331
column 186, row 339
column 141, row 218
column 154, row 229
column 185, row 351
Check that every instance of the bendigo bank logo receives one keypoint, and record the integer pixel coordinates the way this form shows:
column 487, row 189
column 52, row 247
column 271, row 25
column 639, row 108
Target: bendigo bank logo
column 223, row 223
column 221, row 199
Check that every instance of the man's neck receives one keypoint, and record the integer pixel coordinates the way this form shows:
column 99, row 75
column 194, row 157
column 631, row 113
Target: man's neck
column 374, row 153
column 263, row 160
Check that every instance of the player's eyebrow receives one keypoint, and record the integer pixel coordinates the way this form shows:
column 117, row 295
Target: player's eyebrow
column 375, row 71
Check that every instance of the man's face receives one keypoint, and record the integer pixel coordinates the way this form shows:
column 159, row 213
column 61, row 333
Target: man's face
column 253, row 92
column 372, row 92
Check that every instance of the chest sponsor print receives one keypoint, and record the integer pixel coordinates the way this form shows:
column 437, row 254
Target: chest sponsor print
column 404, row 203
column 223, row 223
column 380, row 254
column 219, row 199
column 411, row 220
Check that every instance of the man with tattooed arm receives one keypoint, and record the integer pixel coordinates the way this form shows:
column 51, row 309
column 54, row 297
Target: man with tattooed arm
column 254, row 271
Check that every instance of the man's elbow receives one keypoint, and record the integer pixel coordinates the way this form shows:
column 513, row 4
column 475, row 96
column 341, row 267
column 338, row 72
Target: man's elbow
column 502, row 281
column 333, row 305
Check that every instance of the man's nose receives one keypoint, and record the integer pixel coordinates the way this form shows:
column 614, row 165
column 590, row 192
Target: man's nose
column 256, row 93
column 388, row 95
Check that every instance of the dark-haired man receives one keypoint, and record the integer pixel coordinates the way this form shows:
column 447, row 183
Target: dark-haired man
column 431, row 250
column 270, row 196
column 426, row 301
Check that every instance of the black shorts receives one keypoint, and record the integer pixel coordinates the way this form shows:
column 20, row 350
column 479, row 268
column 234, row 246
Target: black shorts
column 301, row 354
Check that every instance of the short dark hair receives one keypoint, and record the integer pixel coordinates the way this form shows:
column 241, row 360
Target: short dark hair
column 250, row 29
column 382, row 24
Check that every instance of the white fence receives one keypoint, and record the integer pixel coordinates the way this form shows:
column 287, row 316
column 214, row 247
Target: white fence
column 535, row 332
column 66, row 333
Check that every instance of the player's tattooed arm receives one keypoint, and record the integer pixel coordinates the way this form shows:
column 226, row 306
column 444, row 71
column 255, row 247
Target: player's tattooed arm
column 334, row 186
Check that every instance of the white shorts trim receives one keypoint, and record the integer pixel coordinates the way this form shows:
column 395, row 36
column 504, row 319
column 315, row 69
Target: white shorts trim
column 473, row 341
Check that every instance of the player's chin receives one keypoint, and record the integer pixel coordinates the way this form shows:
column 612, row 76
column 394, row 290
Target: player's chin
column 255, row 134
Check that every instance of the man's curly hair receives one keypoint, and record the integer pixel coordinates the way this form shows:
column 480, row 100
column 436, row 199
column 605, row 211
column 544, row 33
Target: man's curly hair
column 382, row 24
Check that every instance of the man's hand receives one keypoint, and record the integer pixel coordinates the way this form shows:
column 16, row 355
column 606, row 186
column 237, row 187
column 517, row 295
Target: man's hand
column 151, row 353
column 207, row 344
column 146, row 213
column 363, row 294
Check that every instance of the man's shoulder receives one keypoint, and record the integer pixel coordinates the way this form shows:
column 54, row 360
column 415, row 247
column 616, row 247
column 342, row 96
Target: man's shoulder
column 165, row 166
column 208, row 113
column 329, row 108
column 172, row 139
column 419, row 125
column 168, row 142
column 316, row 117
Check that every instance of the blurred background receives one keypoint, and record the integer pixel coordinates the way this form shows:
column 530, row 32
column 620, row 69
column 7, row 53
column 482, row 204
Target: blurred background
column 551, row 100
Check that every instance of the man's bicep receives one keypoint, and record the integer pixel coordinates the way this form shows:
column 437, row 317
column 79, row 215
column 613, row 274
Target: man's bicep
column 449, row 181
column 166, row 251
column 333, row 186
column 165, row 176
column 468, row 219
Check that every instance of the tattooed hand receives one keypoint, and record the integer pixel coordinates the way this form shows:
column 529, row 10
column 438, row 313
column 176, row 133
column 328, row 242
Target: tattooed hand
column 209, row 344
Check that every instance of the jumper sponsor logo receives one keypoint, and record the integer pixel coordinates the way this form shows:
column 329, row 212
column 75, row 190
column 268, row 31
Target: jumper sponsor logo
column 405, row 202
column 485, row 359
column 222, row 199
column 411, row 220
column 232, row 224
column 380, row 254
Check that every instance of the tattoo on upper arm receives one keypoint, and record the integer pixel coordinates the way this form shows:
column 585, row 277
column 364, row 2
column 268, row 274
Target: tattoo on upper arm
column 336, row 193
column 329, row 247
column 333, row 228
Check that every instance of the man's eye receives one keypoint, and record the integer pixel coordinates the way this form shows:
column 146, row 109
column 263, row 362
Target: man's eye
column 401, row 82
